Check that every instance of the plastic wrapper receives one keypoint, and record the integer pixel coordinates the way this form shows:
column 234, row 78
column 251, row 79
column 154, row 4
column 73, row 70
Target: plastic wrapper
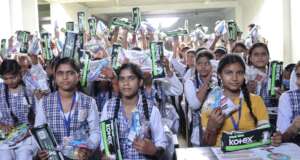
column 171, row 118
column 101, row 27
column 36, row 78
column 95, row 69
column 72, row 144
column 135, row 127
column 147, row 27
column 16, row 135
column 34, row 46
column 23, row 38
column 221, row 28
column 216, row 99
column 140, row 58
column 94, row 45
column 253, row 74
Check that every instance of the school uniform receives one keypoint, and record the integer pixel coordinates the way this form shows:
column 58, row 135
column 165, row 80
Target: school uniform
column 288, row 109
column 84, row 113
column 19, row 104
column 240, row 120
column 191, row 87
column 154, row 123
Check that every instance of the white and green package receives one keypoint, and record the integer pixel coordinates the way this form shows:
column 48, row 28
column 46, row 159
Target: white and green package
column 275, row 77
column 81, row 21
column 46, row 46
column 70, row 44
column 115, row 60
column 92, row 26
column 136, row 18
column 23, row 38
column 178, row 32
column 122, row 22
column 238, row 140
column 157, row 55
column 110, row 139
column 70, row 26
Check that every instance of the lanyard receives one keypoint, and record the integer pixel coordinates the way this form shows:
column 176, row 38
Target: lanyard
column 234, row 123
column 67, row 121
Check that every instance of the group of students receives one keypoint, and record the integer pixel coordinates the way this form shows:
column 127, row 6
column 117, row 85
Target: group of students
column 190, row 74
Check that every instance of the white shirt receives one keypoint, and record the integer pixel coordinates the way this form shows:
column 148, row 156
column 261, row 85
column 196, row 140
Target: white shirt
column 178, row 66
column 284, row 116
column 172, row 86
column 190, row 92
column 157, row 129
column 293, row 80
column 92, row 119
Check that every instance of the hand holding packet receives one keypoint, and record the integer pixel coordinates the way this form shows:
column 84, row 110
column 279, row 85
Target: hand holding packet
column 238, row 140
column 96, row 67
column 216, row 99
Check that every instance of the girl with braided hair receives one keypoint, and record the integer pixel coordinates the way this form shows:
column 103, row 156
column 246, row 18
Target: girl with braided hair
column 250, row 113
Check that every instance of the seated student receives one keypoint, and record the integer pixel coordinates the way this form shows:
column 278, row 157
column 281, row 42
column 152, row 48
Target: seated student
column 220, row 52
column 258, row 57
column 169, row 86
column 152, row 142
column 288, row 121
column 16, row 107
column 67, row 110
column 252, row 112
column 286, row 76
column 195, row 89
column 241, row 49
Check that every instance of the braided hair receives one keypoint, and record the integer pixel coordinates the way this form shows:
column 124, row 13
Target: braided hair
column 139, row 74
column 230, row 59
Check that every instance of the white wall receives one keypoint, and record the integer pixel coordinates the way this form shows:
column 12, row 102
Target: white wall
column 268, row 14
column 5, row 19
column 62, row 13
column 18, row 15
column 295, row 28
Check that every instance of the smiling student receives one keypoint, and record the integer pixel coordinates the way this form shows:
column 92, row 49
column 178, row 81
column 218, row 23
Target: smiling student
column 151, row 142
column 231, row 74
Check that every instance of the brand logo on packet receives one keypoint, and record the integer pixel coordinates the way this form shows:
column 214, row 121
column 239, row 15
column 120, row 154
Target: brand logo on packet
column 245, row 140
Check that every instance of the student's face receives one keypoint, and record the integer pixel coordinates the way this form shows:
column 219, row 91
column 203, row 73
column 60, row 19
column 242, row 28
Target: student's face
column 239, row 49
column 219, row 56
column 129, row 84
column 298, row 76
column 66, row 77
column 12, row 80
column 204, row 67
column 190, row 59
column 232, row 77
column 259, row 57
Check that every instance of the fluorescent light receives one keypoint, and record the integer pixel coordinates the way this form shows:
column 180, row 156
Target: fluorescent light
column 164, row 22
